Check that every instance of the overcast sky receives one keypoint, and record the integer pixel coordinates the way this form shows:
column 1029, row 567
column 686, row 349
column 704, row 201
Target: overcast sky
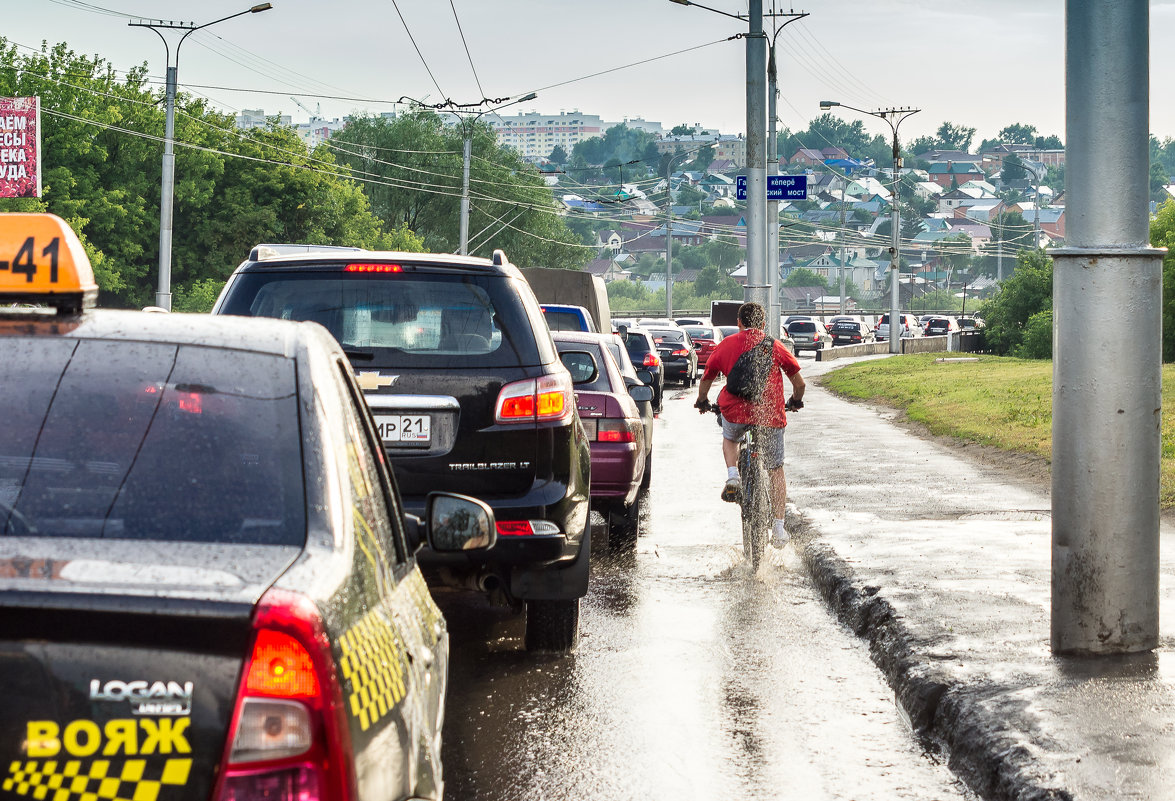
column 978, row 63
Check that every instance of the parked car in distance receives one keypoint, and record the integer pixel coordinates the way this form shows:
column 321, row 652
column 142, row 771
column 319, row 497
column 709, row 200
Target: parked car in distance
column 642, row 350
column 909, row 327
column 657, row 322
column 608, row 410
column 851, row 332
column 684, row 321
column 968, row 323
column 939, row 326
column 469, row 395
column 809, row 335
column 791, row 318
column 223, row 588
column 563, row 317
column 677, row 353
column 706, row 338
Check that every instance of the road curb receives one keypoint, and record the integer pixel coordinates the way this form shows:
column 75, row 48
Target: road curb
column 997, row 761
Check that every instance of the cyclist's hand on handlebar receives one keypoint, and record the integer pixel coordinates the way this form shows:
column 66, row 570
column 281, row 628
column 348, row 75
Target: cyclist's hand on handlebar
column 702, row 405
column 794, row 405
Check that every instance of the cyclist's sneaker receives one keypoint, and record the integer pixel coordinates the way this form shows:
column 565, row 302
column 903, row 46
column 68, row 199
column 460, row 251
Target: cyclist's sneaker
column 780, row 537
column 732, row 492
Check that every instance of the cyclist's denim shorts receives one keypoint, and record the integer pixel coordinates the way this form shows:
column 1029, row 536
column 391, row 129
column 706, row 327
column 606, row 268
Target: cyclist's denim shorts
column 771, row 443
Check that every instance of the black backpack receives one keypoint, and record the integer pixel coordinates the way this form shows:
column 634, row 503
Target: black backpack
column 748, row 378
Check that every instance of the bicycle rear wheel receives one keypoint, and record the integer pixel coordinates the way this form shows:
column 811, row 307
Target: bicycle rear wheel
column 755, row 515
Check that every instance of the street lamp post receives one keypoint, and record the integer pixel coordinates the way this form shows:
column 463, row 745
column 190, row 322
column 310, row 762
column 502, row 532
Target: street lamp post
column 467, row 124
column 894, row 117
column 167, row 190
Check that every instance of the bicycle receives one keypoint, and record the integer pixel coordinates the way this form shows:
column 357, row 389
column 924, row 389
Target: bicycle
column 755, row 493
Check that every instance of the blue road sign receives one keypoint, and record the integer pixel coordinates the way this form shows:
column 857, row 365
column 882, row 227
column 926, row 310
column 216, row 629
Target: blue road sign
column 779, row 187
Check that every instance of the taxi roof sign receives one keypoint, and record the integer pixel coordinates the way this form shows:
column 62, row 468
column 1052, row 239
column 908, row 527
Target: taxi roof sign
column 42, row 262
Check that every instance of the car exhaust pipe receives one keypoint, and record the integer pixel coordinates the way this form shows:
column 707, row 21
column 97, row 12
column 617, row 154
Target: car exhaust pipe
column 489, row 582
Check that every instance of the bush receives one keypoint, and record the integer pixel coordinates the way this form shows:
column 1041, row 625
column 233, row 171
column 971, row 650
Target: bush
column 1037, row 341
column 1027, row 292
column 1163, row 236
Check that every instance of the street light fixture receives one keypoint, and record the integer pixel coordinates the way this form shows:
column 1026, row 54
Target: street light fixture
column 894, row 117
column 167, row 191
column 467, row 123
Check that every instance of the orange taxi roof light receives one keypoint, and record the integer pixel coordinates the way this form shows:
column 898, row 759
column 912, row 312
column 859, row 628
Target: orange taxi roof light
column 43, row 263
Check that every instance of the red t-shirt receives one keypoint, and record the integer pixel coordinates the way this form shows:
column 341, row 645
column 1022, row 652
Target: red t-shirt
column 769, row 411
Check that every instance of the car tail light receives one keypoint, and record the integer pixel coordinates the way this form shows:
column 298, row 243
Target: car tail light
column 616, row 430
column 289, row 739
column 526, row 528
column 373, row 268
column 549, row 398
column 681, row 352
column 652, row 360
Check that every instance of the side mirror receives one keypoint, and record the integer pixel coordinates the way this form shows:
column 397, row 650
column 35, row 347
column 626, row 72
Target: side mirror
column 645, row 376
column 641, row 394
column 581, row 365
column 458, row 523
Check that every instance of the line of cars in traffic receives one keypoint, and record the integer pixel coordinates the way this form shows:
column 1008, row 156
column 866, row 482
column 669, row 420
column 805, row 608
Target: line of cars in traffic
column 810, row 333
column 215, row 531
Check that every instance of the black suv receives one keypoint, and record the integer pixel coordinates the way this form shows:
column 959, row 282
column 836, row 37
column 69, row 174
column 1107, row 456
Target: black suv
column 469, row 395
column 642, row 351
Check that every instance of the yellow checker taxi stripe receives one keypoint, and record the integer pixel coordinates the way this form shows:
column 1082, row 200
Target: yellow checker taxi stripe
column 42, row 259
column 96, row 780
column 374, row 666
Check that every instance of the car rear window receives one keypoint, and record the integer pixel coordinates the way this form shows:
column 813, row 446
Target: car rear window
column 149, row 441
column 409, row 319
column 698, row 332
column 802, row 328
column 667, row 336
column 563, row 320
column 638, row 345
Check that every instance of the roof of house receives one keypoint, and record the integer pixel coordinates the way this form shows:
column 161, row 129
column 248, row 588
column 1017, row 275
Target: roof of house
column 947, row 155
column 955, row 168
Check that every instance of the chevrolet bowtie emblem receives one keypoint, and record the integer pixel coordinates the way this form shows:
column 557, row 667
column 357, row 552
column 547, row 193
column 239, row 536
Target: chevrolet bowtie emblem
column 372, row 380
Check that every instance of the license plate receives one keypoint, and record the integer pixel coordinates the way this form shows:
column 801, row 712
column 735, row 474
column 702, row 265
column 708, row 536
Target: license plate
column 413, row 428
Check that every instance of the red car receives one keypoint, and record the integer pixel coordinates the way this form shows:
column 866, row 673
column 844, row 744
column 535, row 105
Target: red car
column 706, row 337
column 608, row 410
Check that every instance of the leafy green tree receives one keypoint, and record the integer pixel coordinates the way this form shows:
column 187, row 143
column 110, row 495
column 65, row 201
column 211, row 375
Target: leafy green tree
column 911, row 222
column 804, row 277
column 1018, row 134
column 703, row 160
column 681, row 130
column 693, row 258
column 688, row 196
column 558, row 155
column 1027, row 292
column 412, row 165
column 936, row 300
column 1037, row 341
column 233, row 189
column 712, row 281
column 954, row 137
column 724, row 252
column 1163, row 236
column 1013, row 169
column 1159, row 177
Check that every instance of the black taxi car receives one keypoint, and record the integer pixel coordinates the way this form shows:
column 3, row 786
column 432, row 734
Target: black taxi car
column 458, row 366
column 207, row 586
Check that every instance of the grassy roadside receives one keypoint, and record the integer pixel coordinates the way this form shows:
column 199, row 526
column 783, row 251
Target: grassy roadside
column 997, row 401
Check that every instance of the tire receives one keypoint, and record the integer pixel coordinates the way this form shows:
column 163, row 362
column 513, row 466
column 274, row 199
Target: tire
column 648, row 479
column 552, row 625
column 624, row 523
column 755, row 517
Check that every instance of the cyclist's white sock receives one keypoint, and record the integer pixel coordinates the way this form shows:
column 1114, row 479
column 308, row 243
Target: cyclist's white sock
column 780, row 528
column 731, row 472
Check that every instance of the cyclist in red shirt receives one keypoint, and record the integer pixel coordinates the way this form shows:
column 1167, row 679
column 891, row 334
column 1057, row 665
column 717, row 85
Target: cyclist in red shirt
column 770, row 412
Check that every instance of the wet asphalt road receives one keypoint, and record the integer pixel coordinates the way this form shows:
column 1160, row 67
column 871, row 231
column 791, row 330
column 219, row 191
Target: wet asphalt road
column 694, row 679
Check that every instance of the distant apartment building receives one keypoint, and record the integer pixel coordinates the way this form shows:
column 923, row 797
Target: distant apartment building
column 256, row 118
column 318, row 130
column 535, row 135
column 727, row 147
column 639, row 124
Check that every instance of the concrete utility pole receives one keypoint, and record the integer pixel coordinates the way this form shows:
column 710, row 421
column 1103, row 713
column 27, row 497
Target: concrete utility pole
column 167, row 189
column 895, row 117
column 1106, row 409
column 467, row 125
column 756, row 286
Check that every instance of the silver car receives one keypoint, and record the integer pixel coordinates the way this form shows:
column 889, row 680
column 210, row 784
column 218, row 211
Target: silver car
column 809, row 335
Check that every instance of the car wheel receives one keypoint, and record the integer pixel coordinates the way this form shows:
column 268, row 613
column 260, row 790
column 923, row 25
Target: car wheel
column 648, row 479
column 624, row 522
column 552, row 625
